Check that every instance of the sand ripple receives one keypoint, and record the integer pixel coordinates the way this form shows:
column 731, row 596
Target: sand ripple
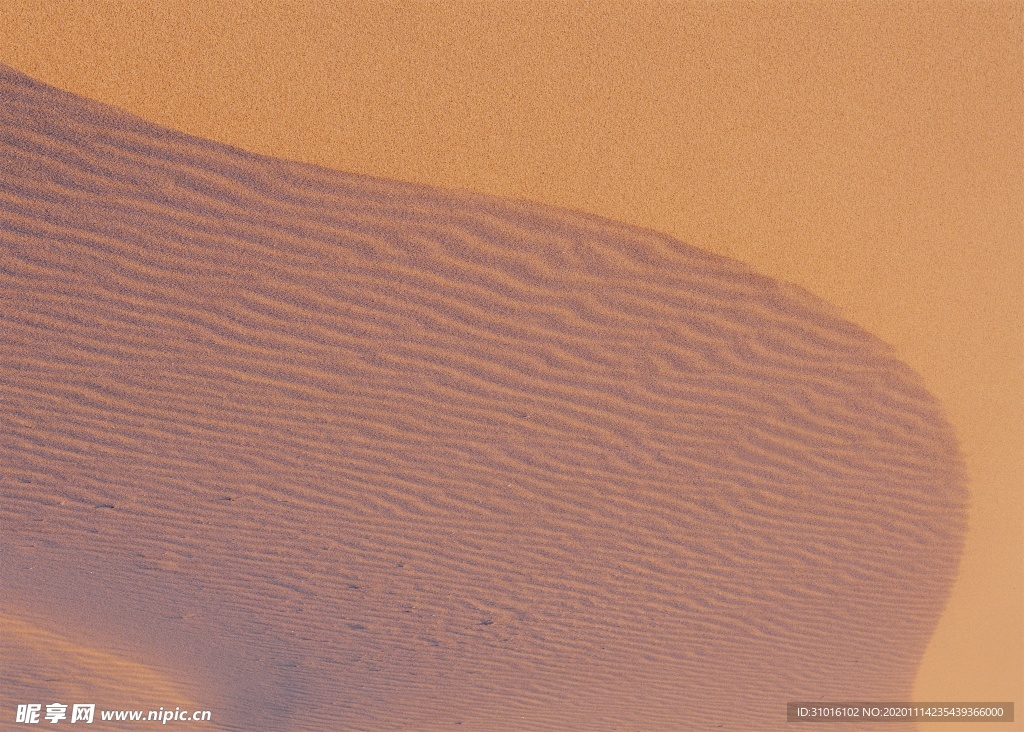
column 344, row 453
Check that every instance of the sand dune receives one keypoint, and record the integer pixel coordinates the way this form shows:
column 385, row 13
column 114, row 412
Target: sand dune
column 332, row 452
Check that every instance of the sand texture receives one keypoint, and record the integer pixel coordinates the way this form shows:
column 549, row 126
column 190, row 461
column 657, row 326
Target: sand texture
column 328, row 452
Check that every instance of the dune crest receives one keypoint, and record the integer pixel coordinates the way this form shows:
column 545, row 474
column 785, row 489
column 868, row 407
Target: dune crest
column 361, row 454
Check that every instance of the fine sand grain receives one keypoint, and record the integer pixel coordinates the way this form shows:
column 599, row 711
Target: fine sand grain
column 319, row 452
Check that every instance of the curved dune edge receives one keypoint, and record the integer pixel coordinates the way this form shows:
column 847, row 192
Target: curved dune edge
column 410, row 459
column 41, row 667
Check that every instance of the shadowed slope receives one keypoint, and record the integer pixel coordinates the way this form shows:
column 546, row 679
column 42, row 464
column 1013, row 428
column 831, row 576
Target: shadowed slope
column 348, row 453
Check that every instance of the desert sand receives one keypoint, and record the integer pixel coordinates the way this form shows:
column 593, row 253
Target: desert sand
column 868, row 152
column 322, row 451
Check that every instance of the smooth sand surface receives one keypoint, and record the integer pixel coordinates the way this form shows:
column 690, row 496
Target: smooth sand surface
column 40, row 666
column 333, row 452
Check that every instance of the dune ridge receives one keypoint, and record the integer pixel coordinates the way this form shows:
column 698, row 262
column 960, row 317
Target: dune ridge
column 415, row 459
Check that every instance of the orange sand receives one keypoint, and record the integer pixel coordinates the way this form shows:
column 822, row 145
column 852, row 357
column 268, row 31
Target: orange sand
column 337, row 452
column 869, row 152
